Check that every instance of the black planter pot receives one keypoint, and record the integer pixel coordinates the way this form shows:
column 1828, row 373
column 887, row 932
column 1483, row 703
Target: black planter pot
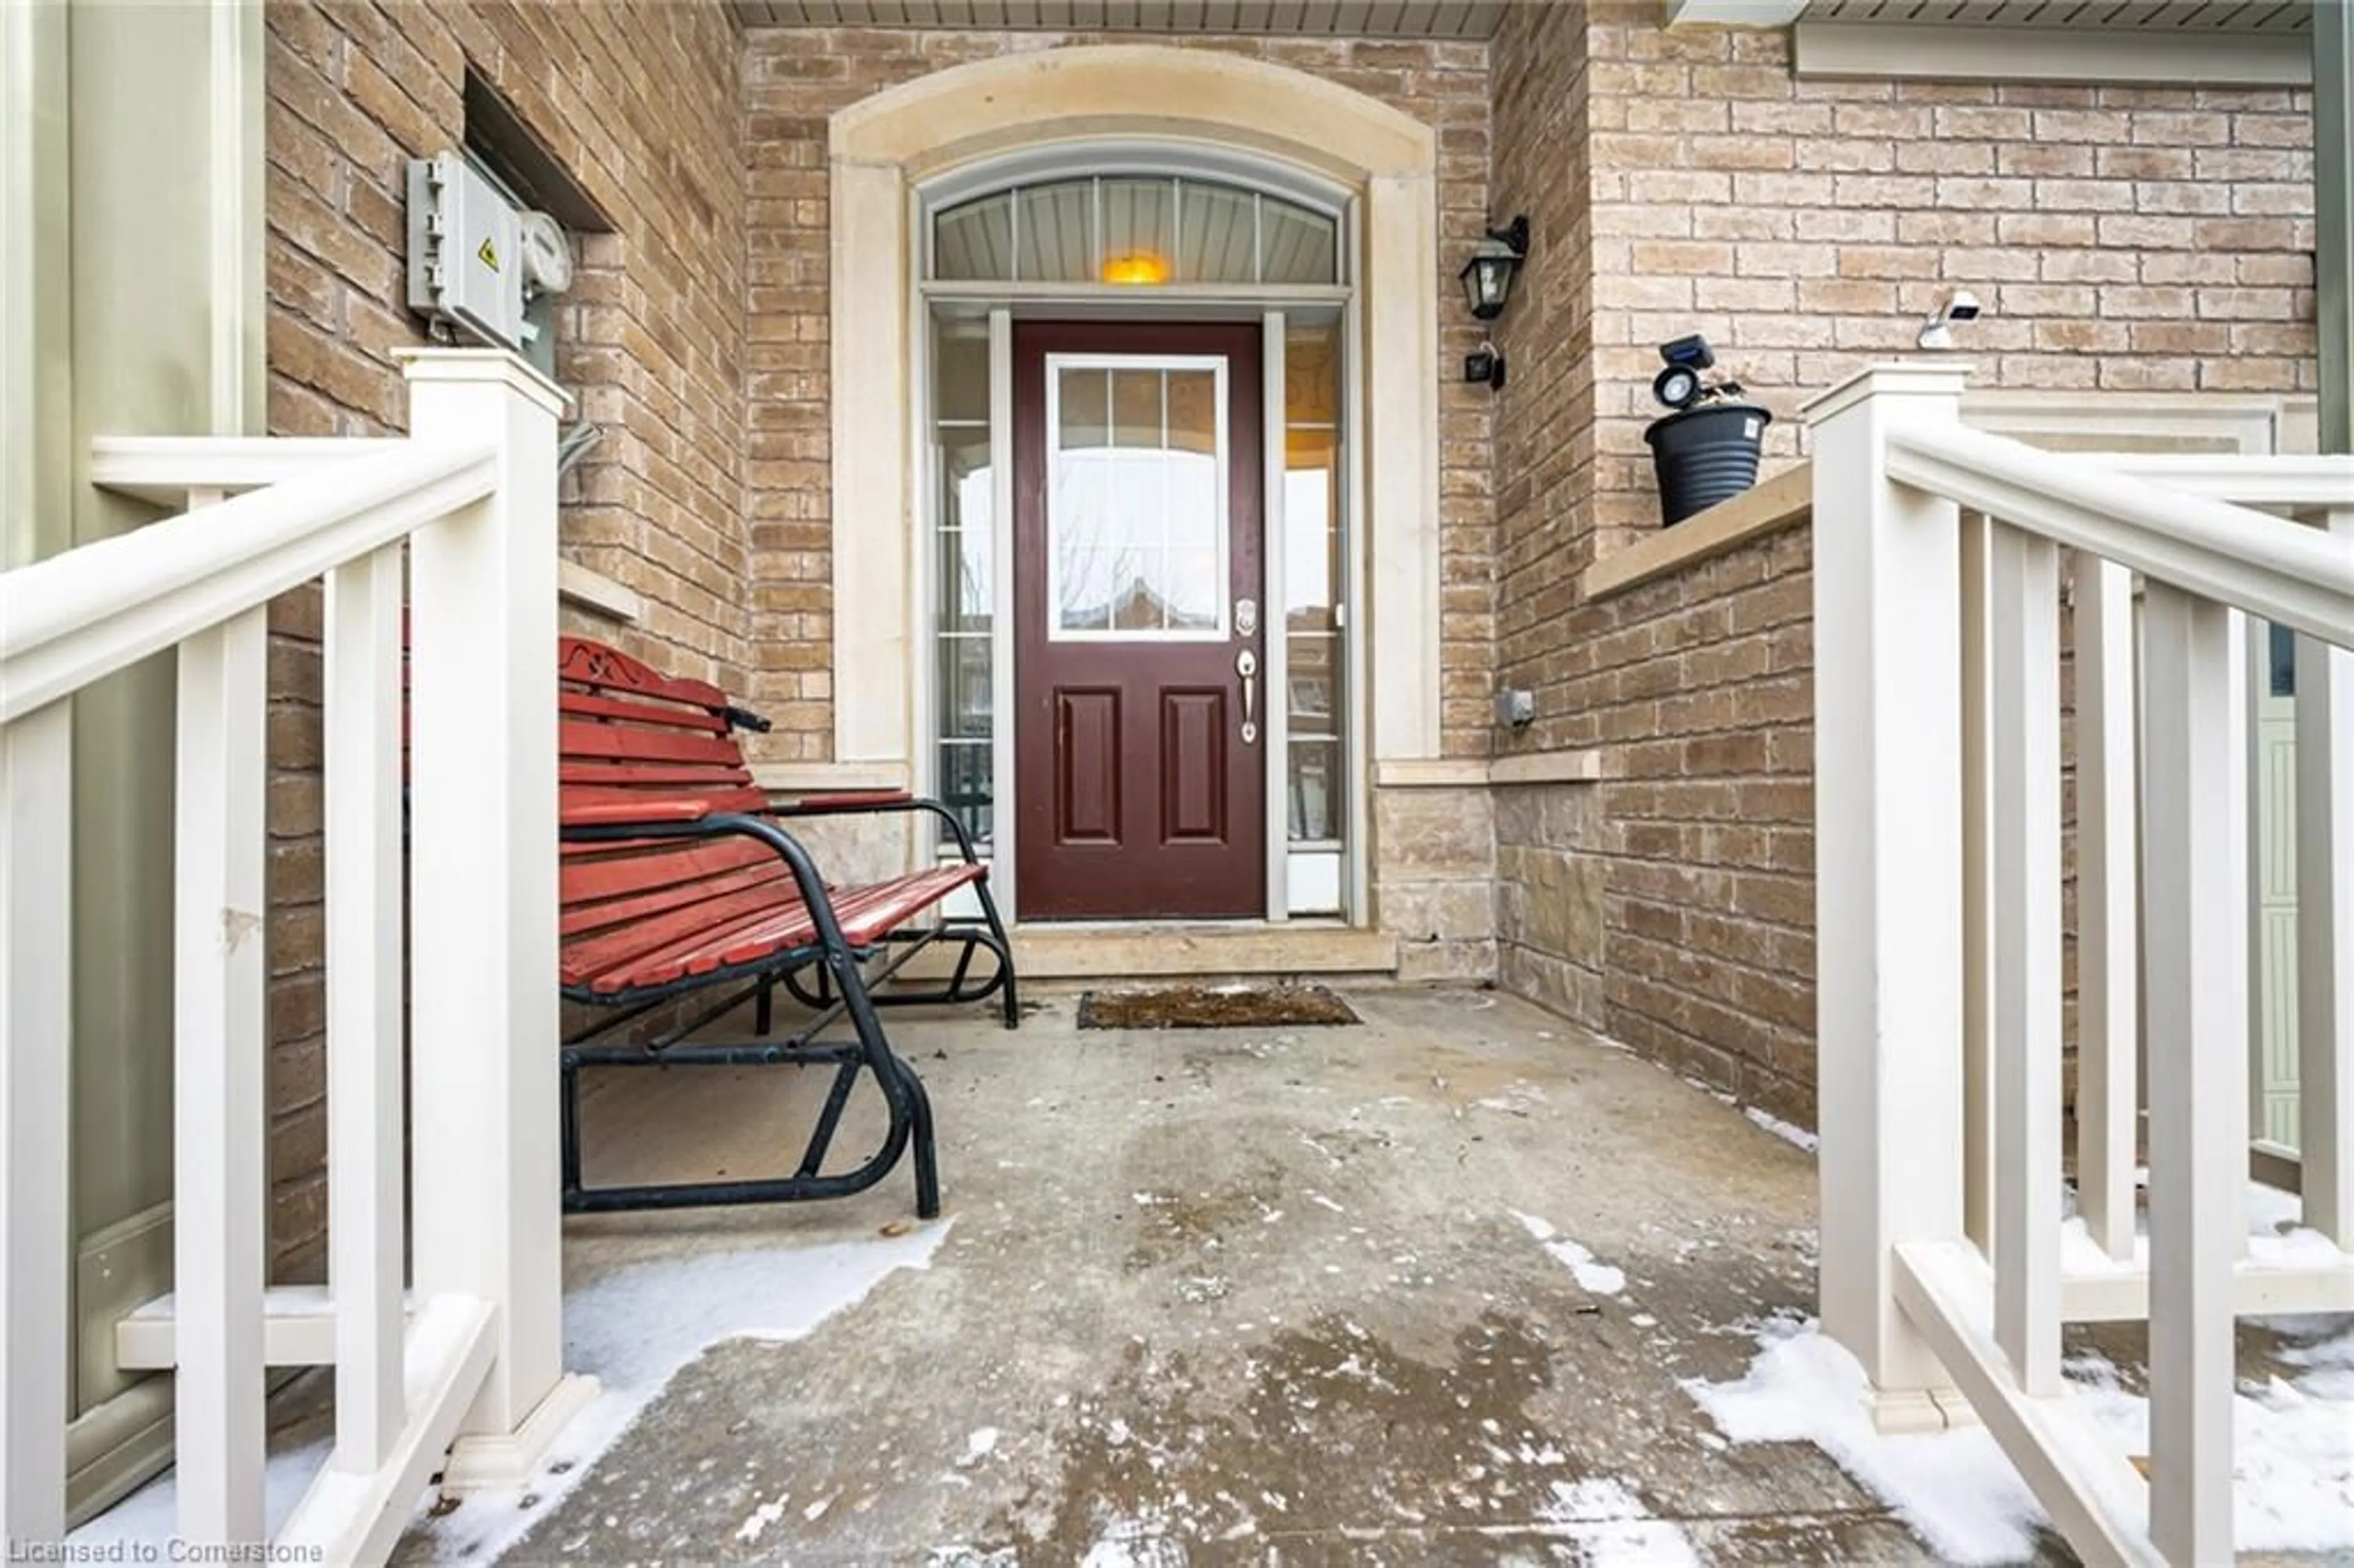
column 1705, row 455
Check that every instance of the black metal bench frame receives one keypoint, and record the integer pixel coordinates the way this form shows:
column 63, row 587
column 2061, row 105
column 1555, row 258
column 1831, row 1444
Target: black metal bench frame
column 846, row 989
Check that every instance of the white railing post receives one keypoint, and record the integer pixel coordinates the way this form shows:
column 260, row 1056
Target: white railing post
column 2108, row 1021
column 365, row 1150
column 1977, row 886
column 35, row 1039
column 2325, row 926
column 2023, row 706
column 1888, row 856
column 219, row 1110
column 2252, row 652
column 482, row 875
column 2198, row 1044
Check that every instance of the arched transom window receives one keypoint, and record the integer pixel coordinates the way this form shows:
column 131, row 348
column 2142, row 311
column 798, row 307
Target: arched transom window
column 1142, row 229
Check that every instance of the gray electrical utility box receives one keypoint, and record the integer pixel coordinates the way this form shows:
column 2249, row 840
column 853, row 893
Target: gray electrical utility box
column 465, row 254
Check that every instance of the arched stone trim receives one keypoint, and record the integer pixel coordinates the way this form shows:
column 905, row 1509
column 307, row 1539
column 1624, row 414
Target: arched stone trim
column 992, row 106
column 883, row 147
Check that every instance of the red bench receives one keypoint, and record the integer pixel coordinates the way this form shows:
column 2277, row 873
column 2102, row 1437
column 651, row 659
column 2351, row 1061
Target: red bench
column 679, row 876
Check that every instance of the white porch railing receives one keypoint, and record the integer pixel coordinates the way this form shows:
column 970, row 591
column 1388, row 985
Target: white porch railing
column 467, row 1346
column 1945, row 1264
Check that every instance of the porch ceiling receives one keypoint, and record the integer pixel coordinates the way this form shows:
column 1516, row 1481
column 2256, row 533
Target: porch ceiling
column 2179, row 16
column 1445, row 19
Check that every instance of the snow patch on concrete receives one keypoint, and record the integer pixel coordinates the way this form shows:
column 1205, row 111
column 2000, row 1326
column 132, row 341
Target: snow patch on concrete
column 2292, row 1443
column 1123, row 1542
column 1788, row 1132
column 758, row 1520
column 634, row 1328
column 1597, row 1278
column 1955, row 1487
column 150, row 1517
column 1613, row 1528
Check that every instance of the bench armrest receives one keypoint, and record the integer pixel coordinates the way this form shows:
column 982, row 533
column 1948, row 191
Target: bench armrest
column 841, row 801
column 862, row 801
column 621, row 813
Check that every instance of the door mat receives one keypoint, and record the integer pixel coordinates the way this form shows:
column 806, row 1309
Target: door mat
column 1214, row 1007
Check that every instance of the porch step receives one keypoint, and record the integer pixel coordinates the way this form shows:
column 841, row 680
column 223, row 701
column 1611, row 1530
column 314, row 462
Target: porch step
column 1093, row 951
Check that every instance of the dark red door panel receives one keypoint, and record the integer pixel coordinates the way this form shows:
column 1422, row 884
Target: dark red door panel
column 1086, row 771
column 1193, row 766
column 1138, row 795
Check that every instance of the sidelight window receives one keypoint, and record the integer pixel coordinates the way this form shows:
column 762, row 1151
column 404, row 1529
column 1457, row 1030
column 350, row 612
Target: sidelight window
column 1314, row 586
column 965, row 534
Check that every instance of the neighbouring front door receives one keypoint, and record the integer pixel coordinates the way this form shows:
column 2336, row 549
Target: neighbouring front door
column 1140, row 701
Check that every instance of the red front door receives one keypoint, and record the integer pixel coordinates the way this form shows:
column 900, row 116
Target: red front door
column 1141, row 702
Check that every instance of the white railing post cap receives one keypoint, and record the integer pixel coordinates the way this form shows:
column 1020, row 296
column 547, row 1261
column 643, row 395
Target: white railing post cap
column 1926, row 377
column 444, row 366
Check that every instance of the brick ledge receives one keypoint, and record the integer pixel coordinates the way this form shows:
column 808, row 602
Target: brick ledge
column 1782, row 502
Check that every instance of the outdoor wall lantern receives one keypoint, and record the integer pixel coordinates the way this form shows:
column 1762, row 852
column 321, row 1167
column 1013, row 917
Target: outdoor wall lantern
column 1487, row 276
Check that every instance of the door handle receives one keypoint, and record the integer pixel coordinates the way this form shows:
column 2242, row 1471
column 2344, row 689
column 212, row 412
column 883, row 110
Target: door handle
column 1247, row 666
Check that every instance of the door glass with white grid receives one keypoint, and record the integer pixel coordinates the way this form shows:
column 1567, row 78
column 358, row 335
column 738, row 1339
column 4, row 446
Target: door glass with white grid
column 1136, row 501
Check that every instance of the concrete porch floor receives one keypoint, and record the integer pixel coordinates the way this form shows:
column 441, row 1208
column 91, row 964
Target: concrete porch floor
column 1241, row 1296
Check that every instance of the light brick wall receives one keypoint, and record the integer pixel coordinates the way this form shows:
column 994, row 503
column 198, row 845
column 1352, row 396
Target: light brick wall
column 2129, row 240
column 794, row 79
column 639, row 104
column 2122, row 239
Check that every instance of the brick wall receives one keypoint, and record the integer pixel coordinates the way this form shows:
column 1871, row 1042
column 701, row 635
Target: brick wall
column 2122, row 239
column 795, row 77
column 2129, row 240
column 639, row 104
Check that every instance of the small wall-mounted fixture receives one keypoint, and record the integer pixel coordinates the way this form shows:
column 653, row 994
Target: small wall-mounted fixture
column 1485, row 366
column 1487, row 276
column 1936, row 332
column 1515, row 708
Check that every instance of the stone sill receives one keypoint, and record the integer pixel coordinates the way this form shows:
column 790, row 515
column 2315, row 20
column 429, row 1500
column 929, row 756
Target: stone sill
column 1188, row 951
column 577, row 586
column 818, row 777
column 1481, row 773
column 1546, row 767
column 1782, row 502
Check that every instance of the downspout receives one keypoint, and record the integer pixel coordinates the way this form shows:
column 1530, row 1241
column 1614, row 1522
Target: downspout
column 2333, row 183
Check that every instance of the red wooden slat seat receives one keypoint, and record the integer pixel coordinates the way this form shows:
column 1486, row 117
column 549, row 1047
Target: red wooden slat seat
column 637, row 747
column 753, row 917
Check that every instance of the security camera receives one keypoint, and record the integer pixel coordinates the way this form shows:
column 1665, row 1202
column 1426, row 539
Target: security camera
column 1936, row 332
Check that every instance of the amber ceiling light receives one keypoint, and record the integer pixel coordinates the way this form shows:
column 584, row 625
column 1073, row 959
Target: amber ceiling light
column 1136, row 267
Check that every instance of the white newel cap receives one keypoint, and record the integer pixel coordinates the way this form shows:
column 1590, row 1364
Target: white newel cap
column 1927, row 377
column 503, row 366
